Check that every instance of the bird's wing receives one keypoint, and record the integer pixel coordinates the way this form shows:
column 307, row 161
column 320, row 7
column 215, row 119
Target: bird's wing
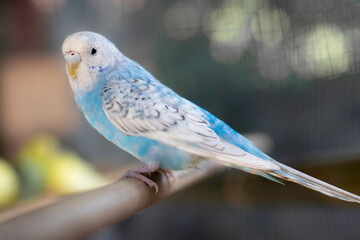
column 139, row 107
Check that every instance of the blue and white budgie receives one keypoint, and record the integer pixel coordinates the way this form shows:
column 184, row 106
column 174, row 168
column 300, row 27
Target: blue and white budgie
column 132, row 109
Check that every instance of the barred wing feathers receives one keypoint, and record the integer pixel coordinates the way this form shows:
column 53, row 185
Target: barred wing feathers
column 139, row 107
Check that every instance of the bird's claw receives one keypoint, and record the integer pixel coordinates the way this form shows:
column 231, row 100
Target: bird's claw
column 140, row 176
column 140, row 173
column 169, row 174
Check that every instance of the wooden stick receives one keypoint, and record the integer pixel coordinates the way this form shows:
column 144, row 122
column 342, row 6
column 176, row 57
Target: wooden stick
column 83, row 214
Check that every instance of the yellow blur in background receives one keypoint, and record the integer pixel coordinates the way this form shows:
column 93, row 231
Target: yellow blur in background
column 43, row 167
column 9, row 184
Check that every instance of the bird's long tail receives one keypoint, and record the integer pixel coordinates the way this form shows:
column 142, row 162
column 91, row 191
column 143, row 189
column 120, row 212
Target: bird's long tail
column 290, row 174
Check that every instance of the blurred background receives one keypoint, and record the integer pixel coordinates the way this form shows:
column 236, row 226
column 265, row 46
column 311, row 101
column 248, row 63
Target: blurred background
column 284, row 73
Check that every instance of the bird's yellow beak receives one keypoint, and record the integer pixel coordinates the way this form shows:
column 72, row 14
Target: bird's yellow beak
column 72, row 63
column 72, row 68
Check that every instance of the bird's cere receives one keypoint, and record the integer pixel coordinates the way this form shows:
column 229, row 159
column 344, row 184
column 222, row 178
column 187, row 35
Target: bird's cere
column 72, row 57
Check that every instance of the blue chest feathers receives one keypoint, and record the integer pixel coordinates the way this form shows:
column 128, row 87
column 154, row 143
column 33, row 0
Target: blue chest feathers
column 145, row 149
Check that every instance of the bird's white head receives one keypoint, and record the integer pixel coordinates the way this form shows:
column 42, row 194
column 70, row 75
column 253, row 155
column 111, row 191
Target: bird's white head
column 88, row 55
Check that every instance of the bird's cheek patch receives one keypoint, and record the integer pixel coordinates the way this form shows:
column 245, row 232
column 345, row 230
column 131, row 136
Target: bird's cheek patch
column 72, row 68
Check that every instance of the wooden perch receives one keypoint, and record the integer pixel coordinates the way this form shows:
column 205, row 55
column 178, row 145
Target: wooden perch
column 81, row 215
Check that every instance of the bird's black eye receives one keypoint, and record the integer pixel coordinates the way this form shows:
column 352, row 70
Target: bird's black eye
column 93, row 51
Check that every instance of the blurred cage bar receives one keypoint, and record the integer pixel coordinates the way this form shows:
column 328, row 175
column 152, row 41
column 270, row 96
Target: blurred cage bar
column 286, row 70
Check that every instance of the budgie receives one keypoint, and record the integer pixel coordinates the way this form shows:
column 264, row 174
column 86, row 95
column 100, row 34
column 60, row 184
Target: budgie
column 140, row 115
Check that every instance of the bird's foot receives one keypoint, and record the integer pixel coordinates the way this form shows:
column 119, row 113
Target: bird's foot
column 141, row 173
column 169, row 174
